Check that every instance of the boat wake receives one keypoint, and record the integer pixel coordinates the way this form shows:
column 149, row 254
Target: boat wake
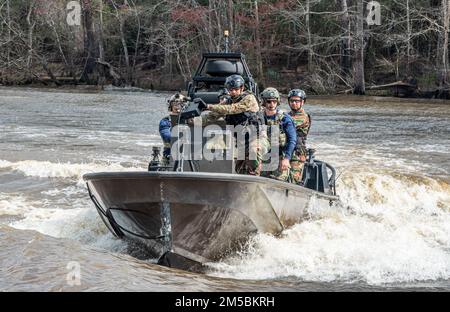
column 390, row 228
column 54, row 201
column 47, row 169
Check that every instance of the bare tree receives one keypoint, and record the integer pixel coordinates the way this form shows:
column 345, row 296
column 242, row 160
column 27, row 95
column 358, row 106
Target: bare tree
column 258, row 44
column 31, row 25
column 408, row 39
column 358, row 64
column 101, row 47
column 8, row 50
column 345, row 50
column 230, row 17
column 121, row 21
column 90, row 42
column 308, row 31
column 444, row 56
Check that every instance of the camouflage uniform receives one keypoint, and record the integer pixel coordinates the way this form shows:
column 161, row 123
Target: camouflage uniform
column 302, row 124
column 244, row 111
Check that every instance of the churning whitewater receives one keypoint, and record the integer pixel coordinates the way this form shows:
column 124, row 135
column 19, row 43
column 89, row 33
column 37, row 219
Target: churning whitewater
column 392, row 228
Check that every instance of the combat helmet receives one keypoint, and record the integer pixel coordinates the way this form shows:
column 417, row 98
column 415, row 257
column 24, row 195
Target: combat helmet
column 234, row 81
column 270, row 93
column 177, row 98
column 297, row 92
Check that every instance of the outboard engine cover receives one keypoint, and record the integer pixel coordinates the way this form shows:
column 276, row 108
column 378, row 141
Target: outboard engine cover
column 315, row 175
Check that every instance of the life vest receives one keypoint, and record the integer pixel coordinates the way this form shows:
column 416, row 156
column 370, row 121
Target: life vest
column 302, row 122
column 277, row 121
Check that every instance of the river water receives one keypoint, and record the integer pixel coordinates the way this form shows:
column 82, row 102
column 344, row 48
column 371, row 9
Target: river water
column 392, row 231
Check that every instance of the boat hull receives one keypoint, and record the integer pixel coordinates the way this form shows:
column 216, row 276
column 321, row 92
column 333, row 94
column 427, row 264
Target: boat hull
column 190, row 218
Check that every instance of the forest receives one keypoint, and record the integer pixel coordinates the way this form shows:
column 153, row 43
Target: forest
column 321, row 46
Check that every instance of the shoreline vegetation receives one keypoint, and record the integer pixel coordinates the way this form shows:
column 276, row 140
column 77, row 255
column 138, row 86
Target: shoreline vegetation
column 323, row 47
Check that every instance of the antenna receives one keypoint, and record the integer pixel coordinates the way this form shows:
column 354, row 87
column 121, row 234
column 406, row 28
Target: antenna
column 226, row 34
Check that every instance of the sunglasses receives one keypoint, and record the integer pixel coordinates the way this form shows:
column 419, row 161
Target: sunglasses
column 271, row 101
column 295, row 101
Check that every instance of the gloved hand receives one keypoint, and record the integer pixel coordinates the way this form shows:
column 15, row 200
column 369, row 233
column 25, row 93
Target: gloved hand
column 227, row 100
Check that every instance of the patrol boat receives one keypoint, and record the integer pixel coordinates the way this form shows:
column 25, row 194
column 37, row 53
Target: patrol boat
column 194, row 212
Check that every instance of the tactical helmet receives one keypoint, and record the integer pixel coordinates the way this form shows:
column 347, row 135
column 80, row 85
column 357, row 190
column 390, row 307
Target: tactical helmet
column 176, row 98
column 271, row 93
column 297, row 92
column 234, row 81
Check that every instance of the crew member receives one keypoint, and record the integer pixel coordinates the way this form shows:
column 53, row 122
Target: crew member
column 165, row 125
column 273, row 116
column 302, row 121
column 244, row 111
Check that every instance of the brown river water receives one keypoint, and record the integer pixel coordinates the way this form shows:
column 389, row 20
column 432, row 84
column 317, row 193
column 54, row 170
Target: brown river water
column 392, row 231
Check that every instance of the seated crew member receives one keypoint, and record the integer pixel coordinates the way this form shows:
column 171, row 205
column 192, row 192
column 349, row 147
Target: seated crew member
column 302, row 121
column 243, row 110
column 273, row 116
column 165, row 125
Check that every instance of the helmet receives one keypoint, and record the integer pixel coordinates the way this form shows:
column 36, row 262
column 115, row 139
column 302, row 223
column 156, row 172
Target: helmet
column 270, row 93
column 176, row 98
column 234, row 81
column 297, row 92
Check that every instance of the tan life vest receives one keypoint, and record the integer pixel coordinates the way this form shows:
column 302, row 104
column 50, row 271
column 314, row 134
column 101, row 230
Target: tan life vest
column 277, row 122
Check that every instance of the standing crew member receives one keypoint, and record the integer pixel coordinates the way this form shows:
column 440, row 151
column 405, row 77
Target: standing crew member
column 244, row 111
column 273, row 116
column 302, row 121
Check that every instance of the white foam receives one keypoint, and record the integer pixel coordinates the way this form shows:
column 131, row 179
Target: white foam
column 14, row 205
column 365, row 156
column 46, row 169
column 67, row 191
column 81, row 223
column 60, row 212
column 389, row 229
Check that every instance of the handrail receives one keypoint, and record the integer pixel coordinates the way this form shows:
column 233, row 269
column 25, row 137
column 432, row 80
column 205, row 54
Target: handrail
column 332, row 180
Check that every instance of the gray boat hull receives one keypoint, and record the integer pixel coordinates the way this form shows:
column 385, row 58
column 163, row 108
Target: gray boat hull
column 189, row 218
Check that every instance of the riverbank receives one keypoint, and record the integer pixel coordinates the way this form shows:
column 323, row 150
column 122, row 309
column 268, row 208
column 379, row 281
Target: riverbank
column 349, row 99
column 148, row 80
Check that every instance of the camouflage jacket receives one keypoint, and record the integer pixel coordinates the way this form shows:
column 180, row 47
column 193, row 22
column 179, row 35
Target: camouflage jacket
column 242, row 104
